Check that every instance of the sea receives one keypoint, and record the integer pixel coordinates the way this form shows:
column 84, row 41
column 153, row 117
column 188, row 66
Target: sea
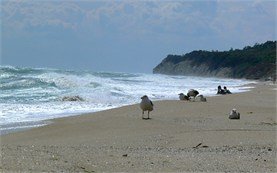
column 29, row 97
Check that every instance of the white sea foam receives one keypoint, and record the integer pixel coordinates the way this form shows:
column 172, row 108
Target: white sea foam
column 36, row 94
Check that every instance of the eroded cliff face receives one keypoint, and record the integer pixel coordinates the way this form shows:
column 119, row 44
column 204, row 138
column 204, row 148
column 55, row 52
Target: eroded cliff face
column 188, row 68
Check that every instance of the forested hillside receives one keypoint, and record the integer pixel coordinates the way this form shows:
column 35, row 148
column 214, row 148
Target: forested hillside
column 256, row 62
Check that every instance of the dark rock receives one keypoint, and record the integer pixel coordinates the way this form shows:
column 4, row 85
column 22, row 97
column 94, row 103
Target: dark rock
column 72, row 98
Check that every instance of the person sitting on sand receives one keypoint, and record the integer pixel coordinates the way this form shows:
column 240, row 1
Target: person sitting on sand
column 226, row 91
column 220, row 90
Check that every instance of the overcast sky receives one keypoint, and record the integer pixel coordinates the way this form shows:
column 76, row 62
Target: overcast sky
column 126, row 36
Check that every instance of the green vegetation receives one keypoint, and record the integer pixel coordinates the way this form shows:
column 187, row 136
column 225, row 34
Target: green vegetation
column 256, row 62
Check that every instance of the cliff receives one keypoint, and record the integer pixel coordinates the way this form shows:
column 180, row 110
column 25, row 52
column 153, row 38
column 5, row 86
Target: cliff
column 256, row 62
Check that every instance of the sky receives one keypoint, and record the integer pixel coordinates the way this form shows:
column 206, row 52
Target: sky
column 126, row 36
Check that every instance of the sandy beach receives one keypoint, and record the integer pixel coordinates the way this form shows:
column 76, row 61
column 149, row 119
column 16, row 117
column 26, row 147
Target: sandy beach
column 180, row 136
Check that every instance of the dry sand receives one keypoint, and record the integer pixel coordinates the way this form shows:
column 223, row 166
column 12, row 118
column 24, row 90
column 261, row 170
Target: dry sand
column 119, row 140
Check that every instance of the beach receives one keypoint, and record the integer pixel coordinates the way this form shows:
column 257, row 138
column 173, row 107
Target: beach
column 180, row 136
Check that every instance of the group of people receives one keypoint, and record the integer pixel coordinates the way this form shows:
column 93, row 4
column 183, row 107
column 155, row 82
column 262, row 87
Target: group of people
column 223, row 91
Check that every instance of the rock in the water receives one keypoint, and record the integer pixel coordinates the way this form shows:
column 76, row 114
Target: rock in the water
column 72, row 98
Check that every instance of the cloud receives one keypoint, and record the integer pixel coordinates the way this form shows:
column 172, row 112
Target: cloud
column 71, row 14
column 245, row 20
column 26, row 14
column 138, row 19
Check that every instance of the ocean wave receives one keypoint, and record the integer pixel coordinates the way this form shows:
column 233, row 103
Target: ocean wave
column 19, row 70
column 114, row 75
column 15, row 83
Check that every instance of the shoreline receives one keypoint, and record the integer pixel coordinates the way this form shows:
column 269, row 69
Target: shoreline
column 181, row 136
column 27, row 125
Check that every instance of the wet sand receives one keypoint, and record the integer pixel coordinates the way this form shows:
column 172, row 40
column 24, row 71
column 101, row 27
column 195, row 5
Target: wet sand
column 180, row 136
